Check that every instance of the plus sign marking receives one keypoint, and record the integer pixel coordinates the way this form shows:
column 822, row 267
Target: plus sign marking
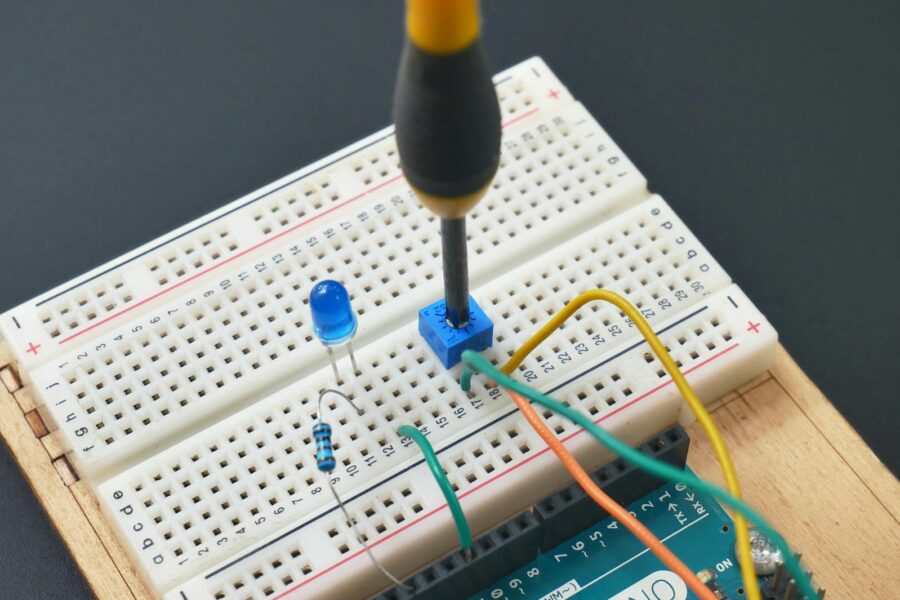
column 751, row 326
column 553, row 94
column 32, row 348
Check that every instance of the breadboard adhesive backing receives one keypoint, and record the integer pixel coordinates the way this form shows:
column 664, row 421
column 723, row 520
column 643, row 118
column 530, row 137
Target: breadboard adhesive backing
column 184, row 375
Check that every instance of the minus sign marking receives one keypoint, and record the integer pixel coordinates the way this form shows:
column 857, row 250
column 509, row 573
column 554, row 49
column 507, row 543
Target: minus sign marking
column 580, row 122
column 536, row 72
column 16, row 321
column 733, row 303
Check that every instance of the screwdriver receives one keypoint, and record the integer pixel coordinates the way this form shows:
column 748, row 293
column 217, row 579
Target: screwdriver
column 447, row 121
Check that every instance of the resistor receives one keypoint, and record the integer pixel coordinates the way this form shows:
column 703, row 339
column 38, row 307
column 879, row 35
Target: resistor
column 326, row 463
column 325, row 460
column 324, row 450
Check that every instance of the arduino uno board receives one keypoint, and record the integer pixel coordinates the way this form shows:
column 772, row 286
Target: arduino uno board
column 567, row 546
column 607, row 561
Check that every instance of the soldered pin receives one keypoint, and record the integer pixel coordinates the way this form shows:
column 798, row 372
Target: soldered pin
column 766, row 555
column 776, row 578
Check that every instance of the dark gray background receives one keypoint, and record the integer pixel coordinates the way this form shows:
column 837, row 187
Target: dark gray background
column 771, row 129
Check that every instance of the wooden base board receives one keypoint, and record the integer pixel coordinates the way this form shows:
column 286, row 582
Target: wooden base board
column 800, row 462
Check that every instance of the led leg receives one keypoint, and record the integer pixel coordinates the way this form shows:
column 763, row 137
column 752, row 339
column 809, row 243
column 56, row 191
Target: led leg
column 337, row 376
column 352, row 358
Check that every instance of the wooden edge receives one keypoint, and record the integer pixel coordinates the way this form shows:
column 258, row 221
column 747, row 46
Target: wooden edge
column 54, row 443
column 26, row 399
column 9, row 379
column 34, row 420
column 720, row 402
column 725, row 400
column 5, row 355
column 70, row 522
column 840, row 434
column 69, row 503
column 127, row 567
column 792, row 474
column 756, row 381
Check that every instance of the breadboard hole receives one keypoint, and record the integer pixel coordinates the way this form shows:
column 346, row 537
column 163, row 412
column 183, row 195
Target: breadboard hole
column 638, row 259
column 382, row 513
column 186, row 257
column 89, row 303
column 611, row 388
column 539, row 178
column 371, row 167
column 290, row 566
column 486, row 457
column 377, row 165
column 515, row 97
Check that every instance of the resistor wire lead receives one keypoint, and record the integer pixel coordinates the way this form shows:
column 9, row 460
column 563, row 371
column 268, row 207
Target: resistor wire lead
column 326, row 462
column 362, row 540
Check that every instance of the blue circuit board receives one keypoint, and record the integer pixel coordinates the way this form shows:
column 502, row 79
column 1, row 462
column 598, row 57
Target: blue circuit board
column 607, row 561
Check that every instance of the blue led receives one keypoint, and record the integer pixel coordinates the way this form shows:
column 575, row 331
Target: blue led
column 334, row 321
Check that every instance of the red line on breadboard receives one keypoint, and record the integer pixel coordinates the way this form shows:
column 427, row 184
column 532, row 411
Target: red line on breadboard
column 256, row 246
column 502, row 473
column 231, row 258
column 520, row 117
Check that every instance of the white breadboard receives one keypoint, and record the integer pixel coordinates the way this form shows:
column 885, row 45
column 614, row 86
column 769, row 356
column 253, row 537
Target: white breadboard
column 184, row 375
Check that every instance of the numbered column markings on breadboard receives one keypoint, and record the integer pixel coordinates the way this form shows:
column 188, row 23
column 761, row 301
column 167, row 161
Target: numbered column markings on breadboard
column 248, row 328
column 77, row 311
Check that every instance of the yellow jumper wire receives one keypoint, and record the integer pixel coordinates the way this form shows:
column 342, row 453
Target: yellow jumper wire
column 731, row 481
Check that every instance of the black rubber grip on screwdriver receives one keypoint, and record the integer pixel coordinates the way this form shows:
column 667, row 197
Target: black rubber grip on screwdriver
column 447, row 121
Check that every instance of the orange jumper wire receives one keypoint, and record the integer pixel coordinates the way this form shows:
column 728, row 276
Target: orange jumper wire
column 615, row 509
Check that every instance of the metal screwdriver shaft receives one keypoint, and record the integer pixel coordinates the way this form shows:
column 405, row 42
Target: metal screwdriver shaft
column 456, row 271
